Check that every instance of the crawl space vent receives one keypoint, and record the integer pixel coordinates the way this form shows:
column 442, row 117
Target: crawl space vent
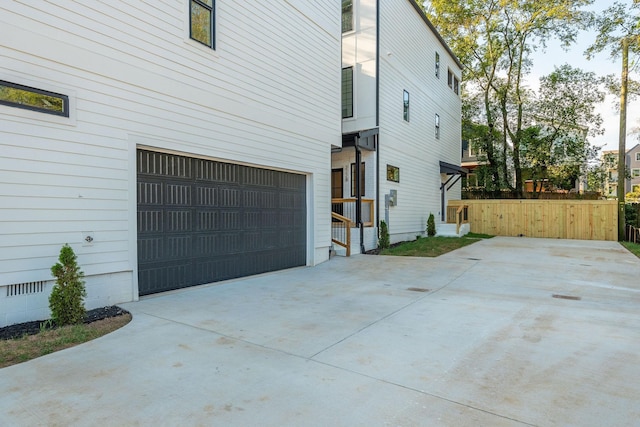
column 25, row 288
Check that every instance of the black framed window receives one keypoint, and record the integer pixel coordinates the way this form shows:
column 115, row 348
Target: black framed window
column 202, row 22
column 437, row 65
column 437, row 123
column 405, row 106
column 456, row 85
column 393, row 173
column 353, row 179
column 347, row 15
column 450, row 78
column 347, row 92
column 31, row 98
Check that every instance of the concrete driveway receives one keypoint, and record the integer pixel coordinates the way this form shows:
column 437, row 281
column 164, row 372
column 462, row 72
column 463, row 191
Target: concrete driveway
column 472, row 338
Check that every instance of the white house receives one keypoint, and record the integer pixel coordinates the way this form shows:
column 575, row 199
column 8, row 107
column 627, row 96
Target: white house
column 169, row 143
column 401, row 119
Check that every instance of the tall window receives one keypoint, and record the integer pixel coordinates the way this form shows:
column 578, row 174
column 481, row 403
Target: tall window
column 637, row 157
column 437, row 123
column 353, row 179
column 456, row 85
column 202, row 22
column 347, row 15
column 347, row 92
column 437, row 65
column 450, row 78
column 29, row 98
column 405, row 105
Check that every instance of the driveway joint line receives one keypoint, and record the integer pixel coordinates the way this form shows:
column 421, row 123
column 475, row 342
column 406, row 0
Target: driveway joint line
column 436, row 396
column 427, row 295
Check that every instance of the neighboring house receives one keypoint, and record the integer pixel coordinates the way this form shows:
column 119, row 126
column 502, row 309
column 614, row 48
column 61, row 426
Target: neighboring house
column 472, row 158
column 632, row 162
column 401, row 120
column 174, row 143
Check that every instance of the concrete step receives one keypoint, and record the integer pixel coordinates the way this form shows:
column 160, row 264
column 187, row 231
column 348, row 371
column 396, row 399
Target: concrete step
column 449, row 230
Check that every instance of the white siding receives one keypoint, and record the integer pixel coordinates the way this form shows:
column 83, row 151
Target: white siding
column 359, row 52
column 407, row 62
column 266, row 96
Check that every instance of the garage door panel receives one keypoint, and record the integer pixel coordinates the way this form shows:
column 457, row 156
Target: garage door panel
column 202, row 221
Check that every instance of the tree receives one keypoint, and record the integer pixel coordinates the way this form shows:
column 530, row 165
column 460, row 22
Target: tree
column 555, row 150
column 619, row 32
column 494, row 39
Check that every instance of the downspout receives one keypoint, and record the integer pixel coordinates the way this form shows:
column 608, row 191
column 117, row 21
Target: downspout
column 359, row 195
column 377, row 142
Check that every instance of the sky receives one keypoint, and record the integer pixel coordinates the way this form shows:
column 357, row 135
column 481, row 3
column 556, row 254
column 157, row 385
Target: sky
column 544, row 63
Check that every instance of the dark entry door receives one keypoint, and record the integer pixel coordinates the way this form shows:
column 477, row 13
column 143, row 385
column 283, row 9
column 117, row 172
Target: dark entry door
column 201, row 221
column 337, row 190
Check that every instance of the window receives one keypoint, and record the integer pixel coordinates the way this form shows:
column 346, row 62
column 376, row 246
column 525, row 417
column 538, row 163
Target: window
column 635, row 173
column 405, row 106
column 637, row 157
column 347, row 15
column 450, row 78
column 347, row 92
column 472, row 180
column 456, row 85
column 437, row 65
column 475, row 150
column 393, row 173
column 202, row 22
column 29, row 98
column 437, row 123
column 353, row 179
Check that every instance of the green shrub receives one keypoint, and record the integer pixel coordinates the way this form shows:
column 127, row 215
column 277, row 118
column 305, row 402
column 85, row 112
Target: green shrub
column 66, row 301
column 383, row 243
column 431, row 226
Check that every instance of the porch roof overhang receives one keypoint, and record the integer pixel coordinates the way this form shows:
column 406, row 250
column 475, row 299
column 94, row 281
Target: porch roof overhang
column 364, row 139
column 451, row 169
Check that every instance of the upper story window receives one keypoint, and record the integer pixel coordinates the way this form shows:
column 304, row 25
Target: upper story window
column 405, row 106
column 347, row 15
column 437, row 123
column 202, row 22
column 637, row 157
column 437, row 65
column 450, row 78
column 456, row 85
column 347, row 92
column 29, row 98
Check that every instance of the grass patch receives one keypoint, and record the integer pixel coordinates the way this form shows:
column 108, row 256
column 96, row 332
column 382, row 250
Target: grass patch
column 433, row 246
column 48, row 341
column 634, row 248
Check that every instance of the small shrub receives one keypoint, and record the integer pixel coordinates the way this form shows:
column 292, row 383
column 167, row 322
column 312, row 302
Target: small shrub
column 431, row 225
column 66, row 301
column 383, row 243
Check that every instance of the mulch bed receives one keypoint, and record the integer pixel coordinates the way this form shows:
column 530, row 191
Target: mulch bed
column 31, row 328
column 377, row 251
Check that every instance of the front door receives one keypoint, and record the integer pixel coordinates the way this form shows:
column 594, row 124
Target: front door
column 337, row 190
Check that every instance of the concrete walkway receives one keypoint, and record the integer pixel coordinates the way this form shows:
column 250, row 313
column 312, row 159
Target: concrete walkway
column 472, row 338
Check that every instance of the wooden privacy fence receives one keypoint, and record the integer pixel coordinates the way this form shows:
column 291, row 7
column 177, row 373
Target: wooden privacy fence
column 561, row 219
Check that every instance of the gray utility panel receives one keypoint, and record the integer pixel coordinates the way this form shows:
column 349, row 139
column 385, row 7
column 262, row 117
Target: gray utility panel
column 201, row 221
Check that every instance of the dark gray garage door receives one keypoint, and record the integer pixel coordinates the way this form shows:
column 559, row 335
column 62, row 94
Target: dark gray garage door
column 201, row 221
